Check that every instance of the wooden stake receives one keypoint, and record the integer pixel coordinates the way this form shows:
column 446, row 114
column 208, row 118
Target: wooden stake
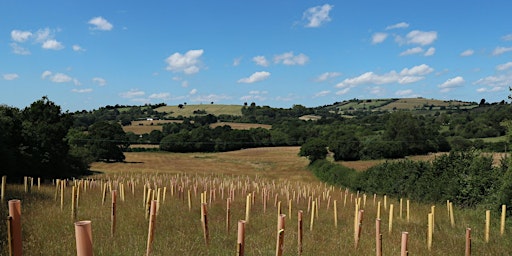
column 335, row 214
column 487, row 224
column 400, row 209
column 247, row 207
column 503, row 214
column 312, row 215
column 407, row 213
column 452, row 219
column 228, row 216
column 9, row 235
column 300, row 232
column 280, row 235
column 378, row 210
column 204, row 221
column 73, row 202
column 378, row 238
column 429, row 232
column 359, row 227
column 113, row 217
column 390, row 218
column 240, row 243
column 468, row 242
column 151, row 228
column 404, row 251
column 4, row 182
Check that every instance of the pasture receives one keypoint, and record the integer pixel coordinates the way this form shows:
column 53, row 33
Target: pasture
column 264, row 179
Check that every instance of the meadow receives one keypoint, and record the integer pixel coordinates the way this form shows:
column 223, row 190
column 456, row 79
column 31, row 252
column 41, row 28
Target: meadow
column 271, row 176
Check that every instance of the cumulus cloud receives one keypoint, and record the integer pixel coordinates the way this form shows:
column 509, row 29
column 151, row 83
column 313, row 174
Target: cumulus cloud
column 99, row 23
column 431, row 51
column 327, row 75
column 78, row 48
column 99, row 81
column 411, row 51
column 467, row 53
column 403, row 93
column 398, row 25
column 343, row 91
column 507, row 37
column 86, row 90
column 505, row 66
column 501, row 50
column 10, row 77
column 210, row 98
column 421, row 37
column 187, row 63
column 495, row 83
column 20, row 36
column 322, row 94
column 132, row 94
column 451, row 83
column 59, row 78
column 318, row 15
column 237, row 61
column 405, row 76
column 255, row 77
column 193, row 92
column 160, row 96
column 255, row 95
column 46, row 74
column 289, row 59
column 379, row 37
column 20, row 50
column 42, row 35
column 52, row 44
column 261, row 61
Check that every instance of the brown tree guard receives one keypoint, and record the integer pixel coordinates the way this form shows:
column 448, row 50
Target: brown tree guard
column 429, row 231
column 433, row 211
column 312, row 215
column 452, row 219
column 204, row 222
column 503, row 214
column 407, row 213
column 73, row 203
column 378, row 238
column 378, row 210
column 404, row 251
column 38, row 183
column 83, row 236
column 400, row 209
column 280, row 235
column 9, row 235
column 359, row 227
column 468, row 242
column 113, row 218
column 390, row 218
column 15, row 213
column 4, row 182
column 487, row 224
column 151, row 229
column 247, row 207
column 62, row 186
column 228, row 215
column 300, row 232
column 240, row 241
column 104, row 194
column 335, row 207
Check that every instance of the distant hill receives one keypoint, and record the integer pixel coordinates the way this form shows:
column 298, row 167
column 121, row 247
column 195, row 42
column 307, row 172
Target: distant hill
column 201, row 109
column 400, row 104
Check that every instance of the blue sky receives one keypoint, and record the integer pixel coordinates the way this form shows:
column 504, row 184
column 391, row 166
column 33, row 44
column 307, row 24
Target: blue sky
column 89, row 54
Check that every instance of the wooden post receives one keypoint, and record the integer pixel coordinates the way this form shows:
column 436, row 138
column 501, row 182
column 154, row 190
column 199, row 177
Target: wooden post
column 9, row 235
column 359, row 227
column 407, row 213
column 452, row 219
column 204, row 221
column 228, row 216
column 378, row 238
column 503, row 214
column 83, row 236
column 73, row 203
column 104, row 194
column 468, row 242
column 404, row 251
column 4, row 182
column 429, row 231
column 38, row 183
column 15, row 213
column 151, row 229
column 113, row 218
column 300, row 232
column 401, row 203
column 433, row 210
column 335, row 214
column 390, row 218
column 487, row 224
column 378, row 210
column 62, row 186
column 312, row 215
column 247, row 207
column 189, row 196
column 240, row 243
column 280, row 235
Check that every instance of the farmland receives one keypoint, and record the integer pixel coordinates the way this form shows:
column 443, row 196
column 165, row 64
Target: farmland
column 265, row 174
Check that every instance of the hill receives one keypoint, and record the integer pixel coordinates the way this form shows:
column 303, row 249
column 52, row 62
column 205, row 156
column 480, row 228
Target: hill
column 399, row 104
column 192, row 110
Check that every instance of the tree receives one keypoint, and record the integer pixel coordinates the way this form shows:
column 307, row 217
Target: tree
column 107, row 140
column 345, row 147
column 10, row 139
column 314, row 149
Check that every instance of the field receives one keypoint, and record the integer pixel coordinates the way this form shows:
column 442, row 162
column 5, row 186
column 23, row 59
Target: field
column 265, row 174
column 141, row 127
column 214, row 109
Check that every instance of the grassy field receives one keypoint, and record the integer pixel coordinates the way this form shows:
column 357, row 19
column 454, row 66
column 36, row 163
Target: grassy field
column 214, row 109
column 265, row 173
column 141, row 127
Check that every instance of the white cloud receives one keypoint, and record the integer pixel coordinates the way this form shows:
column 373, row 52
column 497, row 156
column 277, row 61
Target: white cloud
column 61, row 78
column 210, row 98
column 507, row 37
column 398, row 25
column 160, row 96
column 99, row 81
column 467, row 53
column 187, row 63
column 43, row 35
column 46, row 74
column 318, row 15
column 237, row 61
column 255, row 77
column 406, row 76
column 87, row 90
column 255, row 95
column 403, row 93
column 99, row 23
column 132, row 94
column 184, row 84
column 322, row 93
column 495, row 83
column 20, row 36
column 451, row 83
column 52, row 44
column 504, row 66
column 377, row 90
column 430, row 51
column 327, row 75
column 260, row 60
column 421, row 37
column 343, row 91
column 78, row 48
column 10, row 77
column 379, row 37
column 193, row 92
column 17, row 49
column 411, row 51
column 288, row 58
column 501, row 50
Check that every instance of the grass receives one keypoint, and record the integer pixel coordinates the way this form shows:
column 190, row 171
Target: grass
column 214, row 109
column 142, row 127
column 48, row 230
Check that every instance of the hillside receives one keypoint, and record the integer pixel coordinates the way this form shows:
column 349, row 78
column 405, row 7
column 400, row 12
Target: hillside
column 399, row 104
column 214, row 109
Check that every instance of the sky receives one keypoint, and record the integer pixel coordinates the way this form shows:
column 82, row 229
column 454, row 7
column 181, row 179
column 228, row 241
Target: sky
column 84, row 55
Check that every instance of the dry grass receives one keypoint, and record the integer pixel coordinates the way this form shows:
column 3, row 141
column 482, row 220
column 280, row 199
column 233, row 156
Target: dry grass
column 415, row 103
column 214, row 109
column 142, row 127
column 241, row 126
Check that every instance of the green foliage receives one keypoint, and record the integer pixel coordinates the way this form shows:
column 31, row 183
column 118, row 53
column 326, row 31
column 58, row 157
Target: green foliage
column 314, row 149
column 333, row 174
column 107, row 141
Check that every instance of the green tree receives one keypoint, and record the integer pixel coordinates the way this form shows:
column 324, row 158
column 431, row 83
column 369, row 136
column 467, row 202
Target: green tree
column 107, row 141
column 314, row 149
column 10, row 139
